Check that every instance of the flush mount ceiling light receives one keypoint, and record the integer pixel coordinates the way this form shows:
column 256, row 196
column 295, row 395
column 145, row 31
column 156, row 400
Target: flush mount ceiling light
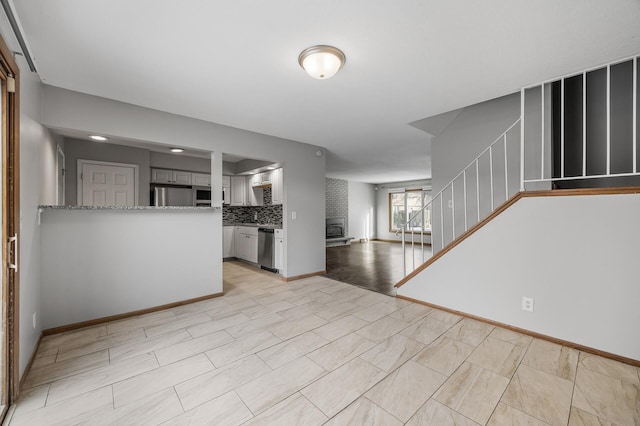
column 321, row 62
column 98, row 138
column 177, row 150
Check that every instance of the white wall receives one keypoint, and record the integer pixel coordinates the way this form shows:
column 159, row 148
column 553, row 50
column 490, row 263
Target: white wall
column 362, row 210
column 382, row 207
column 304, row 172
column 586, row 291
column 99, row 263
column 37, row 186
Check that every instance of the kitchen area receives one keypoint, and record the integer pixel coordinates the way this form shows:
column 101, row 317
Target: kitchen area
column 251, row 207
column 176, row 177
column 134, row 221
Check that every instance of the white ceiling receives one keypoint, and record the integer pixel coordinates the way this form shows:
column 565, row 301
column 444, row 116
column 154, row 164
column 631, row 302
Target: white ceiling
column 234, row 62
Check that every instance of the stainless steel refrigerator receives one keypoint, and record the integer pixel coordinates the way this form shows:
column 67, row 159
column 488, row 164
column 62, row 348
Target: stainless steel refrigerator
column 164, row 196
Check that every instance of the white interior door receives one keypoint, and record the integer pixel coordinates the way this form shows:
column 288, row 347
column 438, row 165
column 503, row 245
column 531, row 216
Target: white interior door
column 106, row 184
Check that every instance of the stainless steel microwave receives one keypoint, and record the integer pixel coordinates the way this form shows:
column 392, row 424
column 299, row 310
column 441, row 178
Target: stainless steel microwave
column 202, row 197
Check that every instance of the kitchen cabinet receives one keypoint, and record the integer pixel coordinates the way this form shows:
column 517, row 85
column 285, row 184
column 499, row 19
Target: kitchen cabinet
column 176, row 177
column 226, row 181
column 276, row 187
column 238, row 191
column 200, row 179
column 265, row 178
column 161, row 176
column 228, row 240
column 279, row 251
column 255, row 196
column 246, row 243
column 181, row 178
column 260, row 179
column 254, row 180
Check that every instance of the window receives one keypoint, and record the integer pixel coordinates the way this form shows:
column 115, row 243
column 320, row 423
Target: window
column 408, row 205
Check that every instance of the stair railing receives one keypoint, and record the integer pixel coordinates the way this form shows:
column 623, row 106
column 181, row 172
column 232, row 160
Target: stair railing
column 474, row 171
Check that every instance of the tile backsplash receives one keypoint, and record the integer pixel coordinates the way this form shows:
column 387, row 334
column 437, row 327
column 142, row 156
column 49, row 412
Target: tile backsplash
column 265, row 214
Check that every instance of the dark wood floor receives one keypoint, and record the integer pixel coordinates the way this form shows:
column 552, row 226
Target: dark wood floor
column 374, row 265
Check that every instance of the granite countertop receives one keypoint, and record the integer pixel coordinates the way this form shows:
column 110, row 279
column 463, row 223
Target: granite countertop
column 254, row 225
column 127, row 208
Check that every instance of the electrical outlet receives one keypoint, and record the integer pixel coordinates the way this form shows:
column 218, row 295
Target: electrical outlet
column 450, row 204
column 34, row 320
column 527, row 304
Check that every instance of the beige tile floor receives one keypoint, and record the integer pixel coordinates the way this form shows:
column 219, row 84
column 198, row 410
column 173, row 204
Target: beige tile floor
column 313, row 352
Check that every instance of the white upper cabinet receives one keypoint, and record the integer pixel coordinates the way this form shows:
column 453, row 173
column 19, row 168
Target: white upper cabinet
column 161, row 176
column 238, row 191
column 176, row 177
column 200, row 179
column 265, row 178
column 255, row 180
column 276, row 187
column 181, row 178
column 255, row 196
column 226, row 181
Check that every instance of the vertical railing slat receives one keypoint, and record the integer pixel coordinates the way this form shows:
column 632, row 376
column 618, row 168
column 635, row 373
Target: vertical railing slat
column 635, row 115
column 491, row 174
column 521, row 141
column 453, row 212
column 478, row 187
column 584, row 124
column 608, row 119
column 542, row 131
column 562, row 128
column 506, row 170
column 464, row 194
column 441, row 220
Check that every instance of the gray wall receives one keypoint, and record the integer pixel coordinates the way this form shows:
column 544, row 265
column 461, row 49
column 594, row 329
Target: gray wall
column 474, row 128
column 337, row 201
column 106, row 262
column 362, row 211
column 37, row 186
column 542, row 248
column 304, row 179
column 76, row 149
column 467, row 136
column 179, row 162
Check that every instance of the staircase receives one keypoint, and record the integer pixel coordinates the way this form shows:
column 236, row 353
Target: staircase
column 556, row 148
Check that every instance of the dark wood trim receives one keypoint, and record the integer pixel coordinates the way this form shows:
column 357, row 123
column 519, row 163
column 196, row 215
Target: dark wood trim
column 386, row 241
column 299, row 277
column 398, row 241
column 630, row 361
column 10, row 225
column 97, row 321
column 583, row 191
column 509, row 203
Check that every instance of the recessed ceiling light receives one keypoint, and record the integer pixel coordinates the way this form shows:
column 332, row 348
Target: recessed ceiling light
column 177, row 150
column 98, row 138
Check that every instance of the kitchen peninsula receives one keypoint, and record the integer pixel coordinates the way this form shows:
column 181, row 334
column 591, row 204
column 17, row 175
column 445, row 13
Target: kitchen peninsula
column 104, row 261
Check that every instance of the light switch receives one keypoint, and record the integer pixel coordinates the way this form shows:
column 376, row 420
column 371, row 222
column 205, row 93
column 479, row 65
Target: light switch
column 294, row 215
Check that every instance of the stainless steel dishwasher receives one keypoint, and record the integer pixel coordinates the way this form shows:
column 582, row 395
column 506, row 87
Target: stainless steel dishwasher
column 266, row 249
